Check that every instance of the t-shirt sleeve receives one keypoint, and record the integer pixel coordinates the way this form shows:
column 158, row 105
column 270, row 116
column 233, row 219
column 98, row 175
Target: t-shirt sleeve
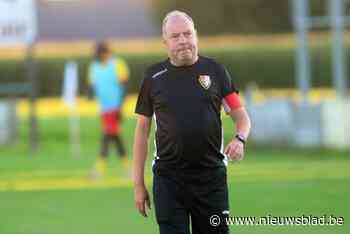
column 122, row 70
column 228, row 85
column 144, row 104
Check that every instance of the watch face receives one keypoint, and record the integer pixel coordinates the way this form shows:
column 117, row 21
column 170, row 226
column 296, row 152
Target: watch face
column 240, row 138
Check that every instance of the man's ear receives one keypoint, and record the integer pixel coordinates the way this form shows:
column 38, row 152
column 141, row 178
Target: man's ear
column 163, row 39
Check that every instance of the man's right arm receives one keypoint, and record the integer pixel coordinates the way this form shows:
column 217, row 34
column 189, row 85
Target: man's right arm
column 142, row 131
column 90, row 83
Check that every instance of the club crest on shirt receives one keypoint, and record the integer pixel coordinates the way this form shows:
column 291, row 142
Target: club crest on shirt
column 205, row 81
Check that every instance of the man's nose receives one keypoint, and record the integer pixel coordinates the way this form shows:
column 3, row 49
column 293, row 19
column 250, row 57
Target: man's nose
column 182, row 38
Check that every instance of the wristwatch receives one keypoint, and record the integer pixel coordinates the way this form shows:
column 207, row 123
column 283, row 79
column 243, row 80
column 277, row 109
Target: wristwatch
column 241, row 138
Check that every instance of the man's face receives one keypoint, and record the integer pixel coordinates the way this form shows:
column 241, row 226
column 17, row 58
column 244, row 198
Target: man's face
column 105, row 56
column 181, row 41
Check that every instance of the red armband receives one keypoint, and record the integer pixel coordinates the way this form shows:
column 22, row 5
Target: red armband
column 231, row 102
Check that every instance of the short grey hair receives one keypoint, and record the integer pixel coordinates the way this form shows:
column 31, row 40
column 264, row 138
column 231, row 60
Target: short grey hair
column 172, row 14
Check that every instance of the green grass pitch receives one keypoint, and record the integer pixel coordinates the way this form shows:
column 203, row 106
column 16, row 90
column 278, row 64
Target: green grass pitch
column 48, row 193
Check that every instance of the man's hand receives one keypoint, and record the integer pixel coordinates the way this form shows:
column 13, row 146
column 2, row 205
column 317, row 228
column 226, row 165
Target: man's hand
column 235, row 150
column 142, row 200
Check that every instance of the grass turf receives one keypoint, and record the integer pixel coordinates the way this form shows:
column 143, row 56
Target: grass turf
column 270, row 181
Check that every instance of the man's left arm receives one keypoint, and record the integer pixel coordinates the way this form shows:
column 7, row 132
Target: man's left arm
column 233, row 107
column 235, row 148
column 123, row 72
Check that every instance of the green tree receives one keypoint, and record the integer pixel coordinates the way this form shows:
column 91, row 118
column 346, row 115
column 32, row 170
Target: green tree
column 236, row 16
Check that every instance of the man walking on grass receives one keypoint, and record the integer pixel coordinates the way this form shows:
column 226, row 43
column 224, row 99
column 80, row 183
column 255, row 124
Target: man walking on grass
column 185, row 94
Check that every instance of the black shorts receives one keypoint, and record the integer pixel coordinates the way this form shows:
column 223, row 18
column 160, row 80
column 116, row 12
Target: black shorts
column 199, row 198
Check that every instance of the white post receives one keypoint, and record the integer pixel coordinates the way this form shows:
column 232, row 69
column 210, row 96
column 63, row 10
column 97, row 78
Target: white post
column 300, row 20
column 336, row 12
column 70, row 90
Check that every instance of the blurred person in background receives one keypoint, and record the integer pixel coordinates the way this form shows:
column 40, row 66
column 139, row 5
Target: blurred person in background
column 184, row 94
column 107, row 79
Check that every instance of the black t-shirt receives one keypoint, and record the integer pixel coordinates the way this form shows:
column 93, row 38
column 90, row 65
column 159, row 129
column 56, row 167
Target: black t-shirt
column 186, row 103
